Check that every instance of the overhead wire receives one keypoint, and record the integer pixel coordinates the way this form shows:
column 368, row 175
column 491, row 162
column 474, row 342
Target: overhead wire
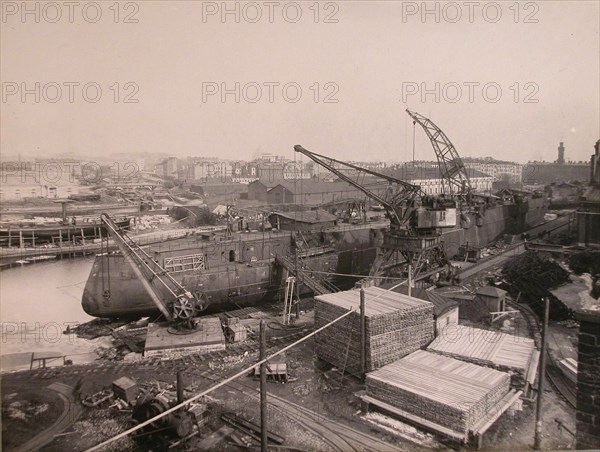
column 212, row 388
column 231, row 378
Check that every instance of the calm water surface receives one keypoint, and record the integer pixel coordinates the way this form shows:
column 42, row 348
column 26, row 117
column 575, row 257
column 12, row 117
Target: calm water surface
column 37, row 303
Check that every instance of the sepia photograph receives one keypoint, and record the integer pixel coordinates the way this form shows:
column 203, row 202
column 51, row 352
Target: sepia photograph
column 312, row 225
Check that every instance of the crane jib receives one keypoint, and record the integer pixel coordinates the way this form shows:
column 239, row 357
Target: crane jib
column 152, row 275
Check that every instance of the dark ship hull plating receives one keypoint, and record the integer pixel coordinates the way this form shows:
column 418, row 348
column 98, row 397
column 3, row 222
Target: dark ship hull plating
column 242, row 270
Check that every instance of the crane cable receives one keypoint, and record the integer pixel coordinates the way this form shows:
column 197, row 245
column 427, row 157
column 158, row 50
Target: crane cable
column 414, row 140
column 212, row 388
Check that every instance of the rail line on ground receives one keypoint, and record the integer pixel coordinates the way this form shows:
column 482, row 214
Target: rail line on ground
column 339, row 436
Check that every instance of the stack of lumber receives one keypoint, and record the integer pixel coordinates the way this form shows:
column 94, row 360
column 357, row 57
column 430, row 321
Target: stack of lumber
column 440, row 390
column 505, row 352
column 395, row 325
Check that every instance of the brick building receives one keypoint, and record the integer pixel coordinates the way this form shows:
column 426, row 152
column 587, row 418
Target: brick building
column 588, row 380
column 588, row 213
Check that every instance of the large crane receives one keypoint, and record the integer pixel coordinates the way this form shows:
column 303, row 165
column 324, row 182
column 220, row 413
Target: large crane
column 172, row 299
column 415, row 217
column 455, row 180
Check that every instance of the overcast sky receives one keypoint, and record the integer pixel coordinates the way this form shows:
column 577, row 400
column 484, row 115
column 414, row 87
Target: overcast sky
column 358, row 65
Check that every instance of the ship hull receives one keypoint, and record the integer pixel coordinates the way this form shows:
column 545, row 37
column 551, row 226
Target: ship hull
column 242, row 271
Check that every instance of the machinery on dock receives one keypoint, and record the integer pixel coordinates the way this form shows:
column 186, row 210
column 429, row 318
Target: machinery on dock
column 416, row 218
column 248, row 264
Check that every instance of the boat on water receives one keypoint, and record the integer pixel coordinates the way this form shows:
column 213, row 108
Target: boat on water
column 244, row 267
column 29, row 233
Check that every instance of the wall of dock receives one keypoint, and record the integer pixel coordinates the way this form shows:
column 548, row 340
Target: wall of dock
column 588, row 380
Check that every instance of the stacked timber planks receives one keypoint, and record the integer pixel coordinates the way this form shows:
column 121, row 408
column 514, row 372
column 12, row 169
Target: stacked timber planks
column 440, row 390
column 505, row 352
column 395, row 325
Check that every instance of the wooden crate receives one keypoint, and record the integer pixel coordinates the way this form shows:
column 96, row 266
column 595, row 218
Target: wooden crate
column 395, row 326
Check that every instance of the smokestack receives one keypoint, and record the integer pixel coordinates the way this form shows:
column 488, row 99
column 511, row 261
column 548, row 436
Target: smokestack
column 561, row 154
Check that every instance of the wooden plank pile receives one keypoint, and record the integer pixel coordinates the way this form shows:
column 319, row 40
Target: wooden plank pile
column 444, row 391
column 505, row 352
column 395, row 325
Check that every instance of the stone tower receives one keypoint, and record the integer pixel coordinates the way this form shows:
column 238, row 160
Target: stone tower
column 561, row 154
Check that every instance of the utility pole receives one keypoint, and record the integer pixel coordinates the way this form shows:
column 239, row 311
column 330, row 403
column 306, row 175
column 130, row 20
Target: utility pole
column 409, row 280
column 542, row 372
column 363, row 336
column 297, row 287
column 263, row 387
column 179, row 387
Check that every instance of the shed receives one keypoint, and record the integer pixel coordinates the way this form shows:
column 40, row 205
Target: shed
column 492, row 297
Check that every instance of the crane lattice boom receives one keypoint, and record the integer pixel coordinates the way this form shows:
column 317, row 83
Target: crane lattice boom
column 455, row 180
column 395, row 195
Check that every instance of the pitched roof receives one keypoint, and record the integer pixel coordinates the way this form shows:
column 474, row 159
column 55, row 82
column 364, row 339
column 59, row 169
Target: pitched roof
column 491, row 291
column 309, row 186
column 269, row 183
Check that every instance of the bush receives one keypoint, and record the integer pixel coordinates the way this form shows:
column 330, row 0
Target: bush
column 533, row 277
column 585, row 262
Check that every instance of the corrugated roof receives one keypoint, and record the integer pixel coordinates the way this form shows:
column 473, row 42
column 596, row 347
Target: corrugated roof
column 378, row 301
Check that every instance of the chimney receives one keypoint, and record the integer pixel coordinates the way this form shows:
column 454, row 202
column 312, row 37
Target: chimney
column 561, row 154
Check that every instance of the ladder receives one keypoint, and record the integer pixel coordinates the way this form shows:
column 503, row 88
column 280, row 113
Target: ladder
column 288, row 300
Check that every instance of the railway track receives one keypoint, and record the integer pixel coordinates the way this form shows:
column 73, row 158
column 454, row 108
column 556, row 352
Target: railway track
column 562, row 385
column 338, row 436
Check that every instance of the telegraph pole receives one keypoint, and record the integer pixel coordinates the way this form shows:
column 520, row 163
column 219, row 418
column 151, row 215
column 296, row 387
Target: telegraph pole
column 263, row 387
column 538, row 414
column 363, row 336
column 297, row 287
